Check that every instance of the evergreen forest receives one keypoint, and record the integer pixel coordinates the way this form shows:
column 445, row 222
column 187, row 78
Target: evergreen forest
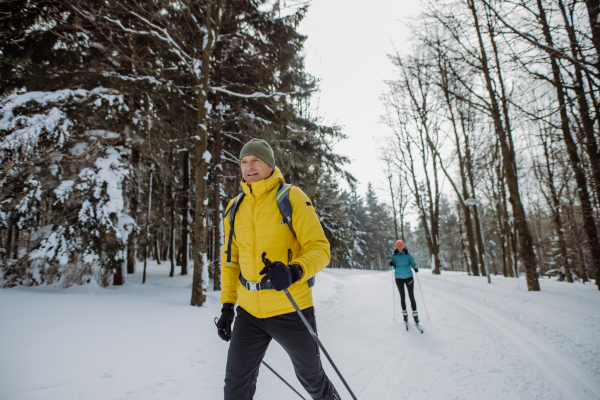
column 121, row 124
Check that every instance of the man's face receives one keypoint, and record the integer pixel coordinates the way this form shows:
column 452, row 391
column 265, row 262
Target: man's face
column 254, row 169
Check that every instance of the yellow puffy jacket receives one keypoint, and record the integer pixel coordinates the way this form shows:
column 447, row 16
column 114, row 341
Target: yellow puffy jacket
column 258, row 229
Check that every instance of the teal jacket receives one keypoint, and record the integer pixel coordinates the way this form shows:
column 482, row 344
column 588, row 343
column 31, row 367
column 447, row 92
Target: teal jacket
column 402, row 263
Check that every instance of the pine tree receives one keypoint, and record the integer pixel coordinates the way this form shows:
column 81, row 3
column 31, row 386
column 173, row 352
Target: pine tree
column 379, row 235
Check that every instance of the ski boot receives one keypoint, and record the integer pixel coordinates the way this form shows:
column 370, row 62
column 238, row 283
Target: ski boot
column 416, row 316
column 405, row 315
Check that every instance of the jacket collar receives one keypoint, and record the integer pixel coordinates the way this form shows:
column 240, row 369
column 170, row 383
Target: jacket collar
column 260, row 188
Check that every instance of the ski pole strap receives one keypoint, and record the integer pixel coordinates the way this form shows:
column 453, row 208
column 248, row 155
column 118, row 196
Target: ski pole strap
column 258, row 286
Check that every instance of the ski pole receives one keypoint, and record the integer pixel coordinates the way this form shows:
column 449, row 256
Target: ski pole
column 394, row 293
column 314, row 335
column 425, row 305
column 269, row 264
column 284, row 381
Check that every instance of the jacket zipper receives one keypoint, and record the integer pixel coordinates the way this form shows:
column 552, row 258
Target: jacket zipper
column 254, row 255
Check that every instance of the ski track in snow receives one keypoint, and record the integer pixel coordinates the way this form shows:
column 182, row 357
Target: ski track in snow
column 560, row 371
column 145, row 341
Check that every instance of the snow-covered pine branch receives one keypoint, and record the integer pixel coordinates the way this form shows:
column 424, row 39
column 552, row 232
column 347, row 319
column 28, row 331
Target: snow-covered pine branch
column 257, row 95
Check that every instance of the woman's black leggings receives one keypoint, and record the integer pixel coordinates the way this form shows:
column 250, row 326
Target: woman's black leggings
column 409, row 284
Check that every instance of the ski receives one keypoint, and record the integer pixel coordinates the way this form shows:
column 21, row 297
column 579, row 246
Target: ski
column 406, row 323
column 418, row 327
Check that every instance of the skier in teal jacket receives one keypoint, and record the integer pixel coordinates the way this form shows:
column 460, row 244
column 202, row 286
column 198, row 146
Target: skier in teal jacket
column 401, row 262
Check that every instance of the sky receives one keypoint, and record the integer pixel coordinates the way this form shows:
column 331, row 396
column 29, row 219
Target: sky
column 347, row 47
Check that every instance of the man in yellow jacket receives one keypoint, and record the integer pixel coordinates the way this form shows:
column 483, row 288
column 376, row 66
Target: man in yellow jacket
column 266, row 314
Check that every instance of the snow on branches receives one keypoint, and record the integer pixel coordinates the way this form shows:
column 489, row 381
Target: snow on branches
column 93, row 238
column 66, row 196
column 32, row 120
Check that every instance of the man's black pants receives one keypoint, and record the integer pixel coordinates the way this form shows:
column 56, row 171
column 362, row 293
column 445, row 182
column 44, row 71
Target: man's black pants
column 249, row 341
column 410, row 286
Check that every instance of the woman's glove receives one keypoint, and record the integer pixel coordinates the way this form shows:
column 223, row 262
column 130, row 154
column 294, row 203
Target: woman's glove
column 391, row 263
column 225, row 322
column 416, row 269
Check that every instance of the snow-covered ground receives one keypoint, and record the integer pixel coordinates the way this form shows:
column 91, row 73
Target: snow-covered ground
column 481, row 341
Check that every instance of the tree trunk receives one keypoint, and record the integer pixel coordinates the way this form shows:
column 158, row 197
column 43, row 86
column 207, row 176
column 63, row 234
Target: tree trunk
column 394, row 212
column 172, row 251
column 402, row 208
column 507, row 125
column 15, row 248
column 498, row 184
column 556, row 215
column 506, row 231
column 133, row 205
column 171, row 206
column 580, row 178
column 435, row 222
column 218, row 171
column 463, row 164
column 147, row 238
column 185, row 198
column 480, row 244
column 503, row 241
column 509, row 163
column 594, row 15
column 575, row 235
column 477, row 235
column 8, row 245
column 584, row 111
column 462, row 239
column 470, row 236
column 156, row 249
column 203, row 158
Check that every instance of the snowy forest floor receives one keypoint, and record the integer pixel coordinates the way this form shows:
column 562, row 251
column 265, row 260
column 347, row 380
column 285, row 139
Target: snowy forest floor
column 482, row 341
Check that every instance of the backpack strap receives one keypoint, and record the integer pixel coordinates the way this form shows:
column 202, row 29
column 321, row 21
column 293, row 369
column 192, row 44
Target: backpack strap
column 231, row 211
column 285, row 207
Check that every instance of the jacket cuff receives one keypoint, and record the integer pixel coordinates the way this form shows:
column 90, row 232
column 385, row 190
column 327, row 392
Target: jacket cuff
column 296, row 271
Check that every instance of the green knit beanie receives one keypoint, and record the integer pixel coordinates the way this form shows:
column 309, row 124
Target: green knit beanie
column 261, row 149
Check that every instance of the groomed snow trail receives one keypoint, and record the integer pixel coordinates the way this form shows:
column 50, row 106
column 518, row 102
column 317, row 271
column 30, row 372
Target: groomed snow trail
column 482, row 341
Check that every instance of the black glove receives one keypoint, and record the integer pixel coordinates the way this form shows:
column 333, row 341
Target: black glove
column 391, row 263
column 224, row 323
column 416, row 269
column 281, row 276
